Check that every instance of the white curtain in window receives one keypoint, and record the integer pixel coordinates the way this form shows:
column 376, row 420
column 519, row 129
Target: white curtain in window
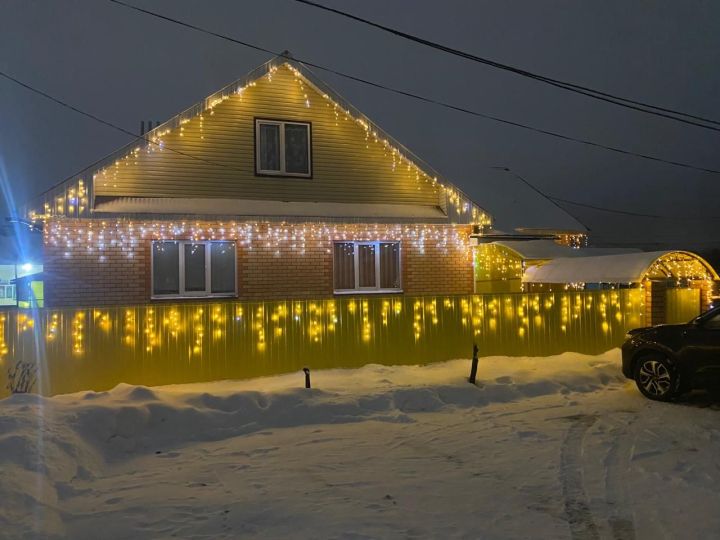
column 269, row 147
column 166, row 268
column 222, row 267
column 366, row 265
column 296, row 148
column 389, row 265
column 344, row 265
column 194, row 267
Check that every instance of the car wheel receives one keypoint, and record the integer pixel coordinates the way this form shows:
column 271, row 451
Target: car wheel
column 656, row 378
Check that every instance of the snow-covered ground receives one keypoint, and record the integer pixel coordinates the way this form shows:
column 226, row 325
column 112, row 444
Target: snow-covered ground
column 558, row 447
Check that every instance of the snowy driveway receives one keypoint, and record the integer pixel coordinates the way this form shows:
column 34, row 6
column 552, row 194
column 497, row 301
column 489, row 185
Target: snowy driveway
column 556, row 447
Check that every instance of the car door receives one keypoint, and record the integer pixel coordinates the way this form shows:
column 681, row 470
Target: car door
column 701, row 350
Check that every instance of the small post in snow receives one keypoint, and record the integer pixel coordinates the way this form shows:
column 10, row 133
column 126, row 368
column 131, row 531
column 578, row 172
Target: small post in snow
column 473, row 369
column 307, row 377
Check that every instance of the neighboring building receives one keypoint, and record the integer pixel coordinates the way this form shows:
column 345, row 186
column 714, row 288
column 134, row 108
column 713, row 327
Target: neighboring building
column 678, row 284
column 7, row 287
column 271, row 188
column 30, row 291
column 501, row 264
column 9, row 275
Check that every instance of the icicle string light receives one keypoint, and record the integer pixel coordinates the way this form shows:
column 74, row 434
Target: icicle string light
column 96, row 237
column 71, row 198
column 165, row 343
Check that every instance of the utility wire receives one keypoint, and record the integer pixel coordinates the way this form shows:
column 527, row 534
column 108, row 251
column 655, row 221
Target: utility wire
column 557, row 200
column 664, row 112
column 425, row 99
column 542, row 194
column 109, row 124
column 633, row 214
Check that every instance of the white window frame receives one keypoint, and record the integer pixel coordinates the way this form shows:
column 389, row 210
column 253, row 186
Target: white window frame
column 282, row 171
column 356, row 261
column 207, row 293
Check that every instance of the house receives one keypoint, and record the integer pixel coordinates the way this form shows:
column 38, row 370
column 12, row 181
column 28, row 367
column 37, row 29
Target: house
column 29, row 289
column 273, row 226
column 271, row 188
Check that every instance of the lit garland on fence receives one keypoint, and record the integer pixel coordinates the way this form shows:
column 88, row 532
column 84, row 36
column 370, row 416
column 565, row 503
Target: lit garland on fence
column 78, row 333
column 25, row 322
column 72, row 200
column 184, row 342
column 3, row 342
column 98, row 238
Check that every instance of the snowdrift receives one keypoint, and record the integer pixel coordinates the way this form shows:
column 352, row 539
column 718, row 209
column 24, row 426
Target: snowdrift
column 47, row 444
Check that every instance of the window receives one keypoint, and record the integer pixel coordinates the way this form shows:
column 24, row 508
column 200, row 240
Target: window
column 193, row 269
column 712, row 323
column 366, row 266
column 282, row 148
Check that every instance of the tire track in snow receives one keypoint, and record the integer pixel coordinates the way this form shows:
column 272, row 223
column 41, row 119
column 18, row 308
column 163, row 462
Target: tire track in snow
column 577, row 509
column 620, row 520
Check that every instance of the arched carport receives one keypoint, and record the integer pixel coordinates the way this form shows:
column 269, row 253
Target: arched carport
column 663, row 274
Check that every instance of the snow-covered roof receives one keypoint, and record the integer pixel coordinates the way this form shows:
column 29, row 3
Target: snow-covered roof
column 549, row 249
column 258, row 208
column 619, row 268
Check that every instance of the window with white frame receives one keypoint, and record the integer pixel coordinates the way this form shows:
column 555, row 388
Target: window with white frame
column 186, row 268
column 366, row 267
column 282, row 148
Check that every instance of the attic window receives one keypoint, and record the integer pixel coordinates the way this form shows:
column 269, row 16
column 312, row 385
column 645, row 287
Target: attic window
column 282, row 148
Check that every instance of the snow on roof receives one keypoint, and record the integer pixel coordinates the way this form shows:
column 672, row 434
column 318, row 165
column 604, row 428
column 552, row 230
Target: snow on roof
column 248, row 207
column 549, row 249
column 619, row 268
column 466, row 207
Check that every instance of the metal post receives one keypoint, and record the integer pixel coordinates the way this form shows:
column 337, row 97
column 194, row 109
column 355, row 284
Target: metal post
column 473, row 369
column 307, row 377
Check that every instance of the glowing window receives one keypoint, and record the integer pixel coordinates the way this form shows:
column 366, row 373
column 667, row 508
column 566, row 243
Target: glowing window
column 185, row 268
column 282, row 148
column 366, row 267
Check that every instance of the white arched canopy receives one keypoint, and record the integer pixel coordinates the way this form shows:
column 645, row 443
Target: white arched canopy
column 622, row 268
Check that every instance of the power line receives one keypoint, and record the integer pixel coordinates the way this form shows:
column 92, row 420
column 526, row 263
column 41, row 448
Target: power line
column 425, row 99
column 135, row 136
column 647, row 108
column 556, row 200
column 542, row 194
column 633, row 214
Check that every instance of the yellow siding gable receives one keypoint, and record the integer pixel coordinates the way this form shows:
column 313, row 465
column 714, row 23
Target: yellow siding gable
column 349, row 165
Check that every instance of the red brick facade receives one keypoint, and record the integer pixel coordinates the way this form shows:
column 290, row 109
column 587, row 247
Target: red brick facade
column 91, row 262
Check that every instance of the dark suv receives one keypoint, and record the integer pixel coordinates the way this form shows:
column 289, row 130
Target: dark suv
column 668, row 359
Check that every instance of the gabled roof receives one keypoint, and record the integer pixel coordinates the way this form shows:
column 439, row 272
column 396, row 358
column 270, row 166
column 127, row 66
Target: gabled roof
column 458, row 207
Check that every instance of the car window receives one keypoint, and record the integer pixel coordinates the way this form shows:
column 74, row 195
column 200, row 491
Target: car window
column 713, row 322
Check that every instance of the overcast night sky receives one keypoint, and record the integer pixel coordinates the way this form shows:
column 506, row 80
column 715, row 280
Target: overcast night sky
column 124, row 66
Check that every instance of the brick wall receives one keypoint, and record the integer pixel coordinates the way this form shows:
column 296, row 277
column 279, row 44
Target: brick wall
column 94, row 262
column 655, row 302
